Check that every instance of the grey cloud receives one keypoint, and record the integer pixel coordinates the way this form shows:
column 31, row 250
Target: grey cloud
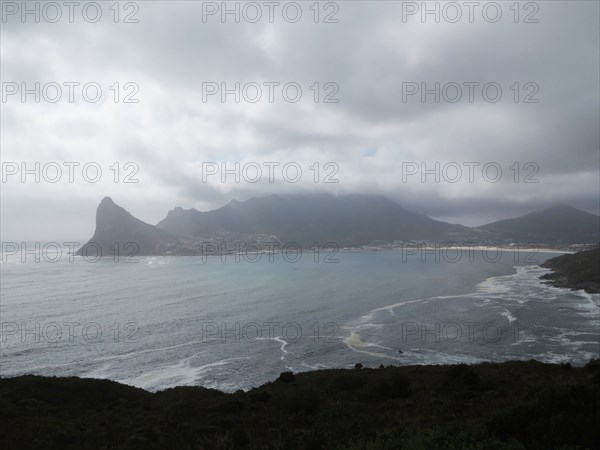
column 369, row 54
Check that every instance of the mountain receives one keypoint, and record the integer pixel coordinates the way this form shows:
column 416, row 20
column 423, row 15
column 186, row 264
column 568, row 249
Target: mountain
column 118, row 231
column 580, row 270
column 346, row 220
column 557, row 226
column 320, row 219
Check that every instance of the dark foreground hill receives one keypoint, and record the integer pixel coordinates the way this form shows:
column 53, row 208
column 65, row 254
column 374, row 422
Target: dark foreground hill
column 513, row 405
column 579, row 270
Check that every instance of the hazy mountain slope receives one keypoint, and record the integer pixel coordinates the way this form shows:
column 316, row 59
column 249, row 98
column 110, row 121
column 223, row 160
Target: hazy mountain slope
column 555, row 226
column 346, row 220
column 133, row 237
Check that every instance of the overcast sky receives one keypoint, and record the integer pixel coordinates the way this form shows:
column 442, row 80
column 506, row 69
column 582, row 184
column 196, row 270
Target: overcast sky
column 373, row 137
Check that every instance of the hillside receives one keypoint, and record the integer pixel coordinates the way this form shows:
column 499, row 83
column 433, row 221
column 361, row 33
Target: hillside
column 349, row 220
column 321, row 219
column 557, row 226
column 513, row 405
column 576, row 271
column 117, row 227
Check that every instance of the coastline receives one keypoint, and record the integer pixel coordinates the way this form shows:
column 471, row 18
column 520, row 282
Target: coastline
column 364, row 248
column 575, row 271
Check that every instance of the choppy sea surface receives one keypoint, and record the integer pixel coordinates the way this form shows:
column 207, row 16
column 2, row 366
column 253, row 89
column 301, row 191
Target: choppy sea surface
column 161, row 322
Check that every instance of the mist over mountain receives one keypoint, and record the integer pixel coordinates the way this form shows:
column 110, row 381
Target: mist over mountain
column 345, row 220
column 558, row 225
column 348, row 220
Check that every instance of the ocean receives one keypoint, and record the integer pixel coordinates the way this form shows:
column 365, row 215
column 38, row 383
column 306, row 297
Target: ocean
column 232, row 322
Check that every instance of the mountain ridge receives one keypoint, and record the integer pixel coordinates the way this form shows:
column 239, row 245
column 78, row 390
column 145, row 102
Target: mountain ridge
column 119, row 233
column 556, row 225
column 351, row 220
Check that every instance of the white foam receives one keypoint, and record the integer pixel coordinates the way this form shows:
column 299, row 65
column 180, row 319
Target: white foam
column 180, row 374
column 369, row 325
column 279, row 339
column 355, row 343
column 316, row 366
column 151, row 350
column 508, row 315
column 390, row 308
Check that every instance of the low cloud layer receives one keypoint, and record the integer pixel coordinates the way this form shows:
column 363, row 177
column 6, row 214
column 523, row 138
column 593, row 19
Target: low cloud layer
column 376, row 138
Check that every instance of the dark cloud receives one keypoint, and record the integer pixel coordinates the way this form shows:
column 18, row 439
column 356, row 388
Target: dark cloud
column 369, row 133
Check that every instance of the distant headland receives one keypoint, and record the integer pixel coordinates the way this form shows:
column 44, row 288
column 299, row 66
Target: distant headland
column 577, row 271
column 344, row 220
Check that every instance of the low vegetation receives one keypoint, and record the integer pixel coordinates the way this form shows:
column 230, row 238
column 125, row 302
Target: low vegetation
column 580, row 270
column 513, row 405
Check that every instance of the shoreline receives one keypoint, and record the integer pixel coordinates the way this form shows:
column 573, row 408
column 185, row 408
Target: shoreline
column 578, row 271
column 331, row 251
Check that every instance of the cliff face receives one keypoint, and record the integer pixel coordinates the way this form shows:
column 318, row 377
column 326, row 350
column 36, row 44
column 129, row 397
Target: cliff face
column 577, row 271
column 118, row 231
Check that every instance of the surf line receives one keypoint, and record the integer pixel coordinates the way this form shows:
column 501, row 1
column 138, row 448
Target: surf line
column 354, row 342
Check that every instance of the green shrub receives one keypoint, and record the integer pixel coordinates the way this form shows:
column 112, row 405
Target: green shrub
column 396, row 386
column 307, row 402
column 287, row 377
column 460, row 376
column 260, row 396
column 347, row 382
